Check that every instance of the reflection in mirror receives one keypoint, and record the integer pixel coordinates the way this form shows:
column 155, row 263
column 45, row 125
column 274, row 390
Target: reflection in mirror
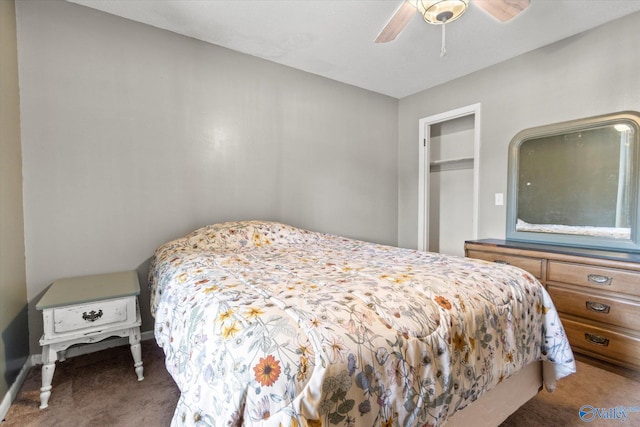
column 576, row 183
column 583, row 180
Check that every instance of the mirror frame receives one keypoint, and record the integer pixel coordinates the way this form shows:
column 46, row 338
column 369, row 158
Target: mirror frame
column 631, row 118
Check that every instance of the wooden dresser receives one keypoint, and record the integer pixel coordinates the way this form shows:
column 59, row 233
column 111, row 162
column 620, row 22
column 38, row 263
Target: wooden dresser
column 596, row 292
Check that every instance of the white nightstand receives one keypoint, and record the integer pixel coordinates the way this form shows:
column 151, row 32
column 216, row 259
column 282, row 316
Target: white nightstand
column 85, row 310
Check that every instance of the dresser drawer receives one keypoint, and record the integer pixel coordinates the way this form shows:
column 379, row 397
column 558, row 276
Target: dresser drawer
column 605, row 279
column 609, row 345
column 611, row 310
column 532, row 265
column 94, row 314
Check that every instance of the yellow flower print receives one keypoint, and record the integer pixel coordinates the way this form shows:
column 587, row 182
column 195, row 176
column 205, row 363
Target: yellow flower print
column 540, row 308
column 254, row 312
column 303, row 348
column 230, row 331
column 402, row 278
column 225, row 315
column 459, row 342
column 259, row 240
column 303, row 369
column 463, row 307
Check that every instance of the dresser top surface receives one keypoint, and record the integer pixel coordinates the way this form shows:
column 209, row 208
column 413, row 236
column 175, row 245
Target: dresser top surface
column 78, row 290
column 566, row 250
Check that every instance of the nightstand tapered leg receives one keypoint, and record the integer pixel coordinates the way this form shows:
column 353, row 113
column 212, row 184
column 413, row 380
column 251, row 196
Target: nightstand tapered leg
column 136, row 352
column 48, row 368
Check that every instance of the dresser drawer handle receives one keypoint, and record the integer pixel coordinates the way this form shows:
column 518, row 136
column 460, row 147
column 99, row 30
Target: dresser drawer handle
column 599, row 279
column 499, row 261
column 92, row 316
column 596, row 339
column 598, row 307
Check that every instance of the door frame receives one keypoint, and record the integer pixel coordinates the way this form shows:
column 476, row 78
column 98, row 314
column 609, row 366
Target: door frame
column 424, row 140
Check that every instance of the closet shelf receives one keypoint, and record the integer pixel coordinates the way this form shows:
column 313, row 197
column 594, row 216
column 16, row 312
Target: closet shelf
column 451, row 164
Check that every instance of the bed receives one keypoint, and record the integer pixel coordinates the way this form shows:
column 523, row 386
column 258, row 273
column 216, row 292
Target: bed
column 265, row 324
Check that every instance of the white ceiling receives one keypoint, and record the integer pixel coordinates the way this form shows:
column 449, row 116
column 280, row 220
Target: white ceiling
column 334, row 38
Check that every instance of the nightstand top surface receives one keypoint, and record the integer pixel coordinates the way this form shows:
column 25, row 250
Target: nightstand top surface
column 78, row 290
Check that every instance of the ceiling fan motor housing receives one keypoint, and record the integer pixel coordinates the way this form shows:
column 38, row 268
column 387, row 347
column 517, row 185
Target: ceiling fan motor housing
column 442, row 11
column 444, row 16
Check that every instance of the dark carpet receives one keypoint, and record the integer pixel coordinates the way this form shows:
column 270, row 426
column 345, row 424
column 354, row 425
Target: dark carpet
column 101, row 389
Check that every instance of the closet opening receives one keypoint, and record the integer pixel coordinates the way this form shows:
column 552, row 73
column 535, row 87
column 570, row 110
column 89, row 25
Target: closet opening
column 448, row 198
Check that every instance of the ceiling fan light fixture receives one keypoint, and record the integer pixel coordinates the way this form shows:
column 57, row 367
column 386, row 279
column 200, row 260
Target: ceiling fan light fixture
column 438, row 12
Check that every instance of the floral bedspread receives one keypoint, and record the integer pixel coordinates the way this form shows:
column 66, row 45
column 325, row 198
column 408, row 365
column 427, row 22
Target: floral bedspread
column 264, row 324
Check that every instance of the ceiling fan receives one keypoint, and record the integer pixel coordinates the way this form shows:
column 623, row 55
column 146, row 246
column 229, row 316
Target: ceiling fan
column 440, row 12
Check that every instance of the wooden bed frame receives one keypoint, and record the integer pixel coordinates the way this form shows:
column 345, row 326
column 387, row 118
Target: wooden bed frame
column 496, row 405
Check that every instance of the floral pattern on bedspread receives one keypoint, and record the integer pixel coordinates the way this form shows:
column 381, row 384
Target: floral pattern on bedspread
column 266, row 324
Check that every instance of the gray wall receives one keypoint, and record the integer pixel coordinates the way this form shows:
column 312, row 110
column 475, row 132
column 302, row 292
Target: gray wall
column 14, row 347
column 592, row 73
column 133, row 136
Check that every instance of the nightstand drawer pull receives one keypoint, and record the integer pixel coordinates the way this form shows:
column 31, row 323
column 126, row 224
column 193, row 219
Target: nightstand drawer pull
column 92, row 316
column 598, row 307
column 499, row 261
column 599, row 279
column 596, row 339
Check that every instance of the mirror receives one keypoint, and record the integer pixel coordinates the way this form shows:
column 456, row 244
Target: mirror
column 576, row 183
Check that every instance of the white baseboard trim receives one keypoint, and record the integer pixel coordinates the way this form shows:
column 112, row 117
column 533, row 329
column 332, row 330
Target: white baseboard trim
column 14, row 389
column 36, row 359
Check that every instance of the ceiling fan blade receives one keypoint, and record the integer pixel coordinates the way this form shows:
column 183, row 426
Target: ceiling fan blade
column 398, row 21
column 502, row 10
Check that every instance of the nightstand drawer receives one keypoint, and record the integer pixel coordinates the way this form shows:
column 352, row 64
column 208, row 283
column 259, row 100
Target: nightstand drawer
column 94, row 314
column 532, row 265
column 606, row 279
column 612, row 346
column 614, row 311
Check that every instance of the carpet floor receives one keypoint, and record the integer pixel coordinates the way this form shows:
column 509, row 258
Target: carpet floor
column 101, row 389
